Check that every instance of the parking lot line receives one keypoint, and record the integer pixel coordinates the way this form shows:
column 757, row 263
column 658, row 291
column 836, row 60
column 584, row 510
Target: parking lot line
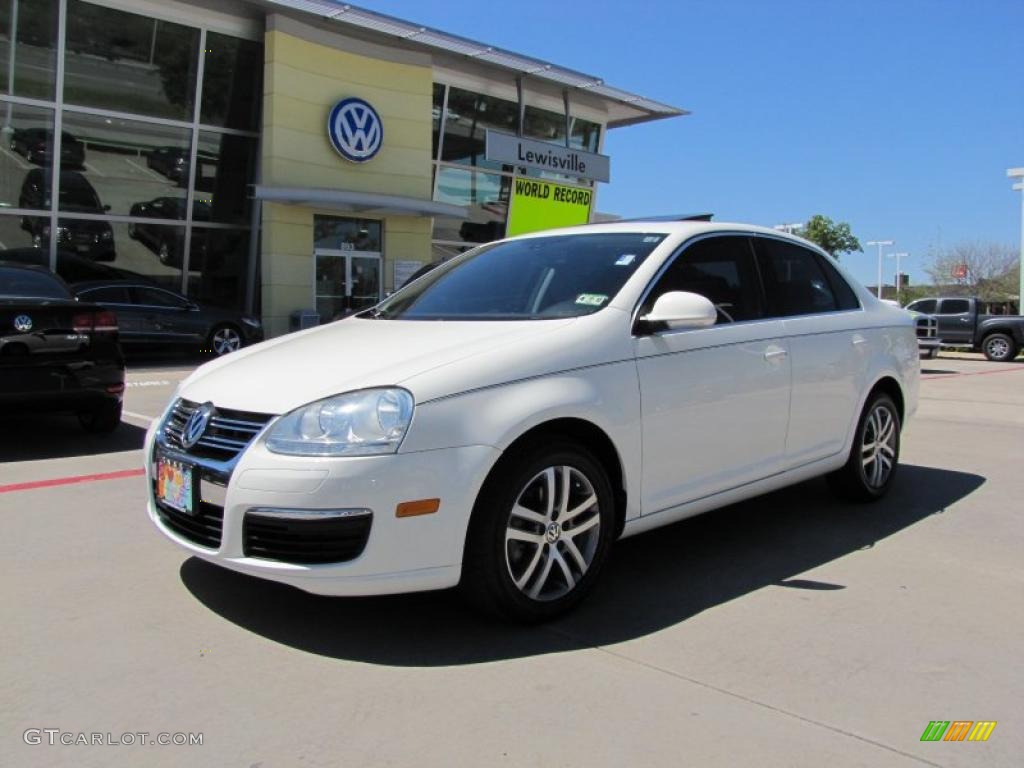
column 120, row 475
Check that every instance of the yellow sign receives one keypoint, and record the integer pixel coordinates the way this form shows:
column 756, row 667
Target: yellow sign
column 538, row 205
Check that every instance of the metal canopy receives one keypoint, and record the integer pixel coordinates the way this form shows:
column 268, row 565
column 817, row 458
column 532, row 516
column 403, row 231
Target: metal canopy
column 644, row 109
column 357, row 202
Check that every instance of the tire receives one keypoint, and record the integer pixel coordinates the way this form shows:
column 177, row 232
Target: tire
column 999, row 348
column 164, row 253
column 867, row 480
column 932, row 353
column 520, row 564
column 225, row 339
column 102, row 419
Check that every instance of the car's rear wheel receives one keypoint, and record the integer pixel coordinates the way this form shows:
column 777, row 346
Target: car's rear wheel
column 540, row 533
column 999, row 348
column 225, row 339
column 875, row 454
column 103, row 418
column 164, row 253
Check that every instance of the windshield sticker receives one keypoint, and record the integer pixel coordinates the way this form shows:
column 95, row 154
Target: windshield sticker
column 653, row 238
column 625, row 260
column 591, row 299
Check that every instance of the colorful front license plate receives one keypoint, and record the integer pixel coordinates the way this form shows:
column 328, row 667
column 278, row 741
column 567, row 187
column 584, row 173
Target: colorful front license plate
column 174, row 485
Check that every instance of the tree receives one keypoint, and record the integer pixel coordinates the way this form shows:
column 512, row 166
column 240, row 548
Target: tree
column 986, row 270
column 831, row 237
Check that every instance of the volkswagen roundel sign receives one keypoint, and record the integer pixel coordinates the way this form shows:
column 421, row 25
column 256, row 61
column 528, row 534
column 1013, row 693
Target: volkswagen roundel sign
column 355, row 129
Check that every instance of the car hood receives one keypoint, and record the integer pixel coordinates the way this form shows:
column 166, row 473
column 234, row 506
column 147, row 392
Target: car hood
column 355, row 353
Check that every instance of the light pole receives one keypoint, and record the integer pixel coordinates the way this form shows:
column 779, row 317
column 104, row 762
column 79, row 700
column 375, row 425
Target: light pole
column 1018, row 173
column 899, row 275
column 881, row 244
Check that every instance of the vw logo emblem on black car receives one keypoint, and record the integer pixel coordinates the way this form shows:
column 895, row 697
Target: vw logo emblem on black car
column 355, row 129
column 23, row 323
column 196, row 425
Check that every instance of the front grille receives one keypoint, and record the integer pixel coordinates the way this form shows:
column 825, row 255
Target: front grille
column 225, row 437
column 203, row 528
column 305, row 542
column 927, row 328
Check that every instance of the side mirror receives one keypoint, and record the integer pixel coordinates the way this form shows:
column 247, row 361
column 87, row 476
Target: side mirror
column 681, row 309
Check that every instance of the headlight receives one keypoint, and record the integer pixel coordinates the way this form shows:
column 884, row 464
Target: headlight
column 364, row 423
column 251, row 321
column 107, row 234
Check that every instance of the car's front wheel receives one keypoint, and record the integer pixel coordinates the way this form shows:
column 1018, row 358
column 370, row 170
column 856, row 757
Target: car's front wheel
column 540, row 533
column 999, row 348
column 875, row 453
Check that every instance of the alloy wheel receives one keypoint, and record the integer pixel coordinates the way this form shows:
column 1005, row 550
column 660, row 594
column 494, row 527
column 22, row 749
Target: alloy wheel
column 552, row 533
column 878, row 446
column 226, row 340
column 997, row 348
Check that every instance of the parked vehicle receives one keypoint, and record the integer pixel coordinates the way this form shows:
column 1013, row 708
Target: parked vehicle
column 57, row 353
column 153, row 317
column 36, row 146
column 167, row 242
column 927, row 331
column 86, row 237
column 961, row 324
column 503, row 419
column 175, row 164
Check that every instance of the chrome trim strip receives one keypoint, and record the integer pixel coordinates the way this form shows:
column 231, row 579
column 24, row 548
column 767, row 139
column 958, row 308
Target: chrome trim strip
column 307, row 514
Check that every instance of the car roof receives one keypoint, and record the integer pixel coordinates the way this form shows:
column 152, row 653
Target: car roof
column 25, row 266
column 685, row 228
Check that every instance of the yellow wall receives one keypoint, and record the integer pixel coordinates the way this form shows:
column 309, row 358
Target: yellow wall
column 303, row 80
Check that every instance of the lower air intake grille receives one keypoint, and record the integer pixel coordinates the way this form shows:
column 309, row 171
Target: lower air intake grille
column 305, row 542
column 203, row 528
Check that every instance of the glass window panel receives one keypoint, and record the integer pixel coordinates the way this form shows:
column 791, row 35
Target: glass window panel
column 486, row 195
column 584, row 134
column 131, row 257
column 217, row 267
column 232, row 82
column 14, row 235
column 954, row 306
column 225, row 165
column 544, row 125
column 33, row 24
column 468, row 118
column 339, row 233
column 134, row 168
column 130, row 63
column 794, row 280
column 27, row 155
column 109, row 294
column 436, row 112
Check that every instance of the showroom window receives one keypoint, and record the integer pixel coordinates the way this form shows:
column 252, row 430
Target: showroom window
column 463, row 175
column 152, row 144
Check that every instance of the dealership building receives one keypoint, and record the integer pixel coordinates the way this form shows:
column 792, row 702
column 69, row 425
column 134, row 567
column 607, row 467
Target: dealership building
column 277, row 156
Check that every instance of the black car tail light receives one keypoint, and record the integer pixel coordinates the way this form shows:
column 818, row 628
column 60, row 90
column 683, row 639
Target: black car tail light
column 103, row 321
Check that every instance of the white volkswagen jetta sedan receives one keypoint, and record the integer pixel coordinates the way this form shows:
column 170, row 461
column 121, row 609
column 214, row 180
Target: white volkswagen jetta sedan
column 500, row 421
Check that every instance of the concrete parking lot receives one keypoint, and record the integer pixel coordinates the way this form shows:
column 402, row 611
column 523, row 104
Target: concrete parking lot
column 788, row 630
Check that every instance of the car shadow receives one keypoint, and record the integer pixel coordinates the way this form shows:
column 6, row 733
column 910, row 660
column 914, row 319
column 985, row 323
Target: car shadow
column 937, row 372
column 33, row 436
column 651, row 581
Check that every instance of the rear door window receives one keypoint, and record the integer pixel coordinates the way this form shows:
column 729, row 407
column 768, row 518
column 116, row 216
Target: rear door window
column 795, row 280
column 954, row 306
column 108, row 294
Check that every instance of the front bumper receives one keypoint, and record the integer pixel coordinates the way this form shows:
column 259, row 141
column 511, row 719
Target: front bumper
column 401, row 554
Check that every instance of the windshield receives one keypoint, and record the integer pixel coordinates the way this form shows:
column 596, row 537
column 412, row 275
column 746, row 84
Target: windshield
column 529, row 279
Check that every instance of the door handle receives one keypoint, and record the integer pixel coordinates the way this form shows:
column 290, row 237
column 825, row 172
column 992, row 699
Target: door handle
column 858, row 339
column 965, row 319
column 774, row 353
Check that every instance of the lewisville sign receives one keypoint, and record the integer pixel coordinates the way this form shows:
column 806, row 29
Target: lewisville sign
column 516, row 150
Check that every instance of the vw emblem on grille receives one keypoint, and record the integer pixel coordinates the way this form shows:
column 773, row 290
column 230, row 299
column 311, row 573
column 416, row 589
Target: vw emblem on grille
column 23, row 323
column 355, row 130
column 196, row 425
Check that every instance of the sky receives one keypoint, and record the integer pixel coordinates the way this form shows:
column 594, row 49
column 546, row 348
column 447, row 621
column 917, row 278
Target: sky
column 899, row 117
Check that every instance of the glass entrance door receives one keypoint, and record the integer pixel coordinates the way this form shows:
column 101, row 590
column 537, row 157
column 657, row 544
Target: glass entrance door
column 346, row 282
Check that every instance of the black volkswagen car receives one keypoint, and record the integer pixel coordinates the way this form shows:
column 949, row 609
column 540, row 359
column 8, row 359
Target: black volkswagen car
column 91, row 238
column 166, row 242
column 57, row 353
column 152, row 318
